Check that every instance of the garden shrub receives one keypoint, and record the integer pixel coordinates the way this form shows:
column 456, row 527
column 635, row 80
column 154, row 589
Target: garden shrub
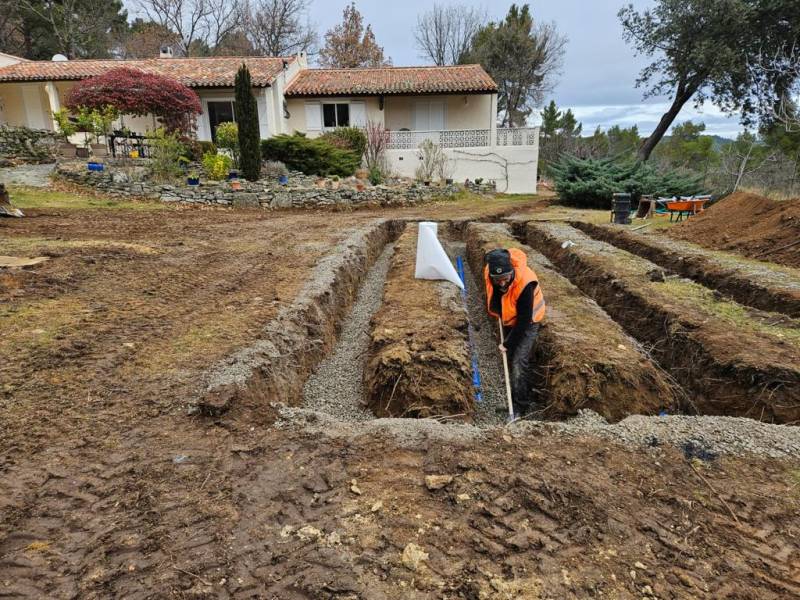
column 311, row 156
column 375, row 176
column 274, row 169
column 347, row 138
column 217, row 166
column 591, row 183
column 167, row 154
column 228, row 138
column 432, row 162
column 195, row 149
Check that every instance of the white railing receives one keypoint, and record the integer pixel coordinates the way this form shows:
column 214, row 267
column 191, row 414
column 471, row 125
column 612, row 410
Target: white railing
column 450, row 138
column 463, row 138
column 517, row 136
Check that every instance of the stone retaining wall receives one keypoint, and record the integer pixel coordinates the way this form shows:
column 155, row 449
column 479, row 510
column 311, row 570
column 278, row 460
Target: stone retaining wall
column 301, row 192
column 21, row 144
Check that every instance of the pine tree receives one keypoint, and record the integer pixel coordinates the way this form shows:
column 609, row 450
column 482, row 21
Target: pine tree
column 247, row 120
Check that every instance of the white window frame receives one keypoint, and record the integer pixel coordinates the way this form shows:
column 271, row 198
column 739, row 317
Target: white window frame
column 207, row 116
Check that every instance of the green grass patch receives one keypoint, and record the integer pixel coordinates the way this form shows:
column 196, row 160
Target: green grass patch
column 41, row 198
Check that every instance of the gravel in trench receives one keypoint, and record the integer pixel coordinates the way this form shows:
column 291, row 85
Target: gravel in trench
column 492, row 410
column 336, row 387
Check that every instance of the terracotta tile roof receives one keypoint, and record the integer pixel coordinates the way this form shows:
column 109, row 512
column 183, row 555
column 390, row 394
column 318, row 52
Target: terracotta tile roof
column 391, row 80
column 193, row 72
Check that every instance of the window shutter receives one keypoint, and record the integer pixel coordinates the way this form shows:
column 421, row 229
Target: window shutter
column 313, row 117
column 358, row 114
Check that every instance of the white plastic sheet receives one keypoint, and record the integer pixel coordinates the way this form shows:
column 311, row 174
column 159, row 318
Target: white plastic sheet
column 432, row 260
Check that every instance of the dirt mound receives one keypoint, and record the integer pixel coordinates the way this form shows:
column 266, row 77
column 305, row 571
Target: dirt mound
column 418, row 363
column 749, row 224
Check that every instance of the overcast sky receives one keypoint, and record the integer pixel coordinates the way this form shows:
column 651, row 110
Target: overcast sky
column 600, row 70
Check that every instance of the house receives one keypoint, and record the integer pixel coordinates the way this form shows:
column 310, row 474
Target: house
column 453, row 106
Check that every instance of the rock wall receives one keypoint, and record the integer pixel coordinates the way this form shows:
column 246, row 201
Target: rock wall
column 301, row 192
column 26, row 145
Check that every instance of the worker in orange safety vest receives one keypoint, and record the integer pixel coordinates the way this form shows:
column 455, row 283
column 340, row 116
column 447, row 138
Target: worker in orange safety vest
column 514, row 295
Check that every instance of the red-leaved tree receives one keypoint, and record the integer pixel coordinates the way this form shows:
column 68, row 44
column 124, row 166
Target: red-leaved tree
column 135, row 92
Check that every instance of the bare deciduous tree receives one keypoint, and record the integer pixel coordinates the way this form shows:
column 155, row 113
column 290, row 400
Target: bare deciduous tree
column 778, row 74
column 444, row 33
column 198, row 23
column 281, row 27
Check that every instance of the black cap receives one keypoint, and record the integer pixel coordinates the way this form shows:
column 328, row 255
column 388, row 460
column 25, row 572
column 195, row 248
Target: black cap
column 499, row 262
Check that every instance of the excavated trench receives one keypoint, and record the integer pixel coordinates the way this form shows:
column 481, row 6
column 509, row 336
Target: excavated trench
column 760, row 285
column 735, row 360
column 365, row 340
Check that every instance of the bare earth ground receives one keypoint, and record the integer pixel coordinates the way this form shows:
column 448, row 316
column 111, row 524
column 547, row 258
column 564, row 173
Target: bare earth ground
column 109, row 489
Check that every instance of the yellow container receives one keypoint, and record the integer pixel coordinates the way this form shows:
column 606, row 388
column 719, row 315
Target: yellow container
column 134, row 154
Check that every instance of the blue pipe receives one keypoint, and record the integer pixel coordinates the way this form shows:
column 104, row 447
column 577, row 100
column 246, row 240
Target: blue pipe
column 476, row 374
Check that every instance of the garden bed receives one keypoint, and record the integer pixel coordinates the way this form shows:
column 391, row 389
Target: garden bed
column 302, row 191
column 737, row 361
column 761, row 285
column 583, row 359
column 418, row 362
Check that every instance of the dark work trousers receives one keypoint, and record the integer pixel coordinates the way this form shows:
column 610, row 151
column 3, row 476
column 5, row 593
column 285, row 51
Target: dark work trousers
column 519, row 362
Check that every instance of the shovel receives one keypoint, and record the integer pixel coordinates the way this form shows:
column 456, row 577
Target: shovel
column 511, row 416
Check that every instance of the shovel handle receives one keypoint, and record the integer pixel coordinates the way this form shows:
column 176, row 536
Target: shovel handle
column 505, row 372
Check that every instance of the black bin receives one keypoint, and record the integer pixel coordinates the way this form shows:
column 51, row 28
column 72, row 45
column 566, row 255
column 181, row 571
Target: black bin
column 621, row 209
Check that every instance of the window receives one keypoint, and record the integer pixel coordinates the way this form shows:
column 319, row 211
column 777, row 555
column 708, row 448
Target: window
column 219, row 112
column 335, row 115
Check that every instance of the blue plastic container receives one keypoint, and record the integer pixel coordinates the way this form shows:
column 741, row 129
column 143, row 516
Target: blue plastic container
column 283, row 179
column 94, row 166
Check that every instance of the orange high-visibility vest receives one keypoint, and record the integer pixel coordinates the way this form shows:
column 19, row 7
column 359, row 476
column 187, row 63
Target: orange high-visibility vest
column 523, row 275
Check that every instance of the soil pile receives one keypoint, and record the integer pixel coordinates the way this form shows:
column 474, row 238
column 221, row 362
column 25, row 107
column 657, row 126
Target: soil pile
column 418, row 363
column 750, row 224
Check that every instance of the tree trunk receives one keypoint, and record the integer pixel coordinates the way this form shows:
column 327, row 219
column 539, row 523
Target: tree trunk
column 683, row 94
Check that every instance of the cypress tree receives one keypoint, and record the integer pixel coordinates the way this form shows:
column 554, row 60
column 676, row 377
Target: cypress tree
column 247, row 121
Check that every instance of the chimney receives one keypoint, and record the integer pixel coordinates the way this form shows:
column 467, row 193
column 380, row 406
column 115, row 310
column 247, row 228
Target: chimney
column 166, row 52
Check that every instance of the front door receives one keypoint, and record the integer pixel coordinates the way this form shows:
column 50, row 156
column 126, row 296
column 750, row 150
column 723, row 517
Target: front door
column 219, row 111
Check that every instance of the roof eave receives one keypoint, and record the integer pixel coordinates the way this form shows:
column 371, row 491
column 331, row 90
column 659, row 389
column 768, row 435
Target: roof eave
column 289, row 94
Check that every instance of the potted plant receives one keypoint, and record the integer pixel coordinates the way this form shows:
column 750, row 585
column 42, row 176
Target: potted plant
column 101, row 125
column 193, row 178
column 85, row 123
column 66, row 128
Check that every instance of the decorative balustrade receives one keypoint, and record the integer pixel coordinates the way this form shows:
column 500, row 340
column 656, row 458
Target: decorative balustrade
column 517, row 136
column 450, row 138
column 462, row 138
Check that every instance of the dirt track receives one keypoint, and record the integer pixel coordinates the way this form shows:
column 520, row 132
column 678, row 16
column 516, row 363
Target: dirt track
column 109, row 489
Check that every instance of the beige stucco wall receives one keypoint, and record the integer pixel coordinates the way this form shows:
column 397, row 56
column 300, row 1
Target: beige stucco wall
column 297, row 111
column 25, row 105
column 12, row 111
column 472, row 111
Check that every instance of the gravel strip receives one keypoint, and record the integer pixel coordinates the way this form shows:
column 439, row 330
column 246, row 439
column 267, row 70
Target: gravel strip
column 492, row 410
column 695, row 435
column 337, row 387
